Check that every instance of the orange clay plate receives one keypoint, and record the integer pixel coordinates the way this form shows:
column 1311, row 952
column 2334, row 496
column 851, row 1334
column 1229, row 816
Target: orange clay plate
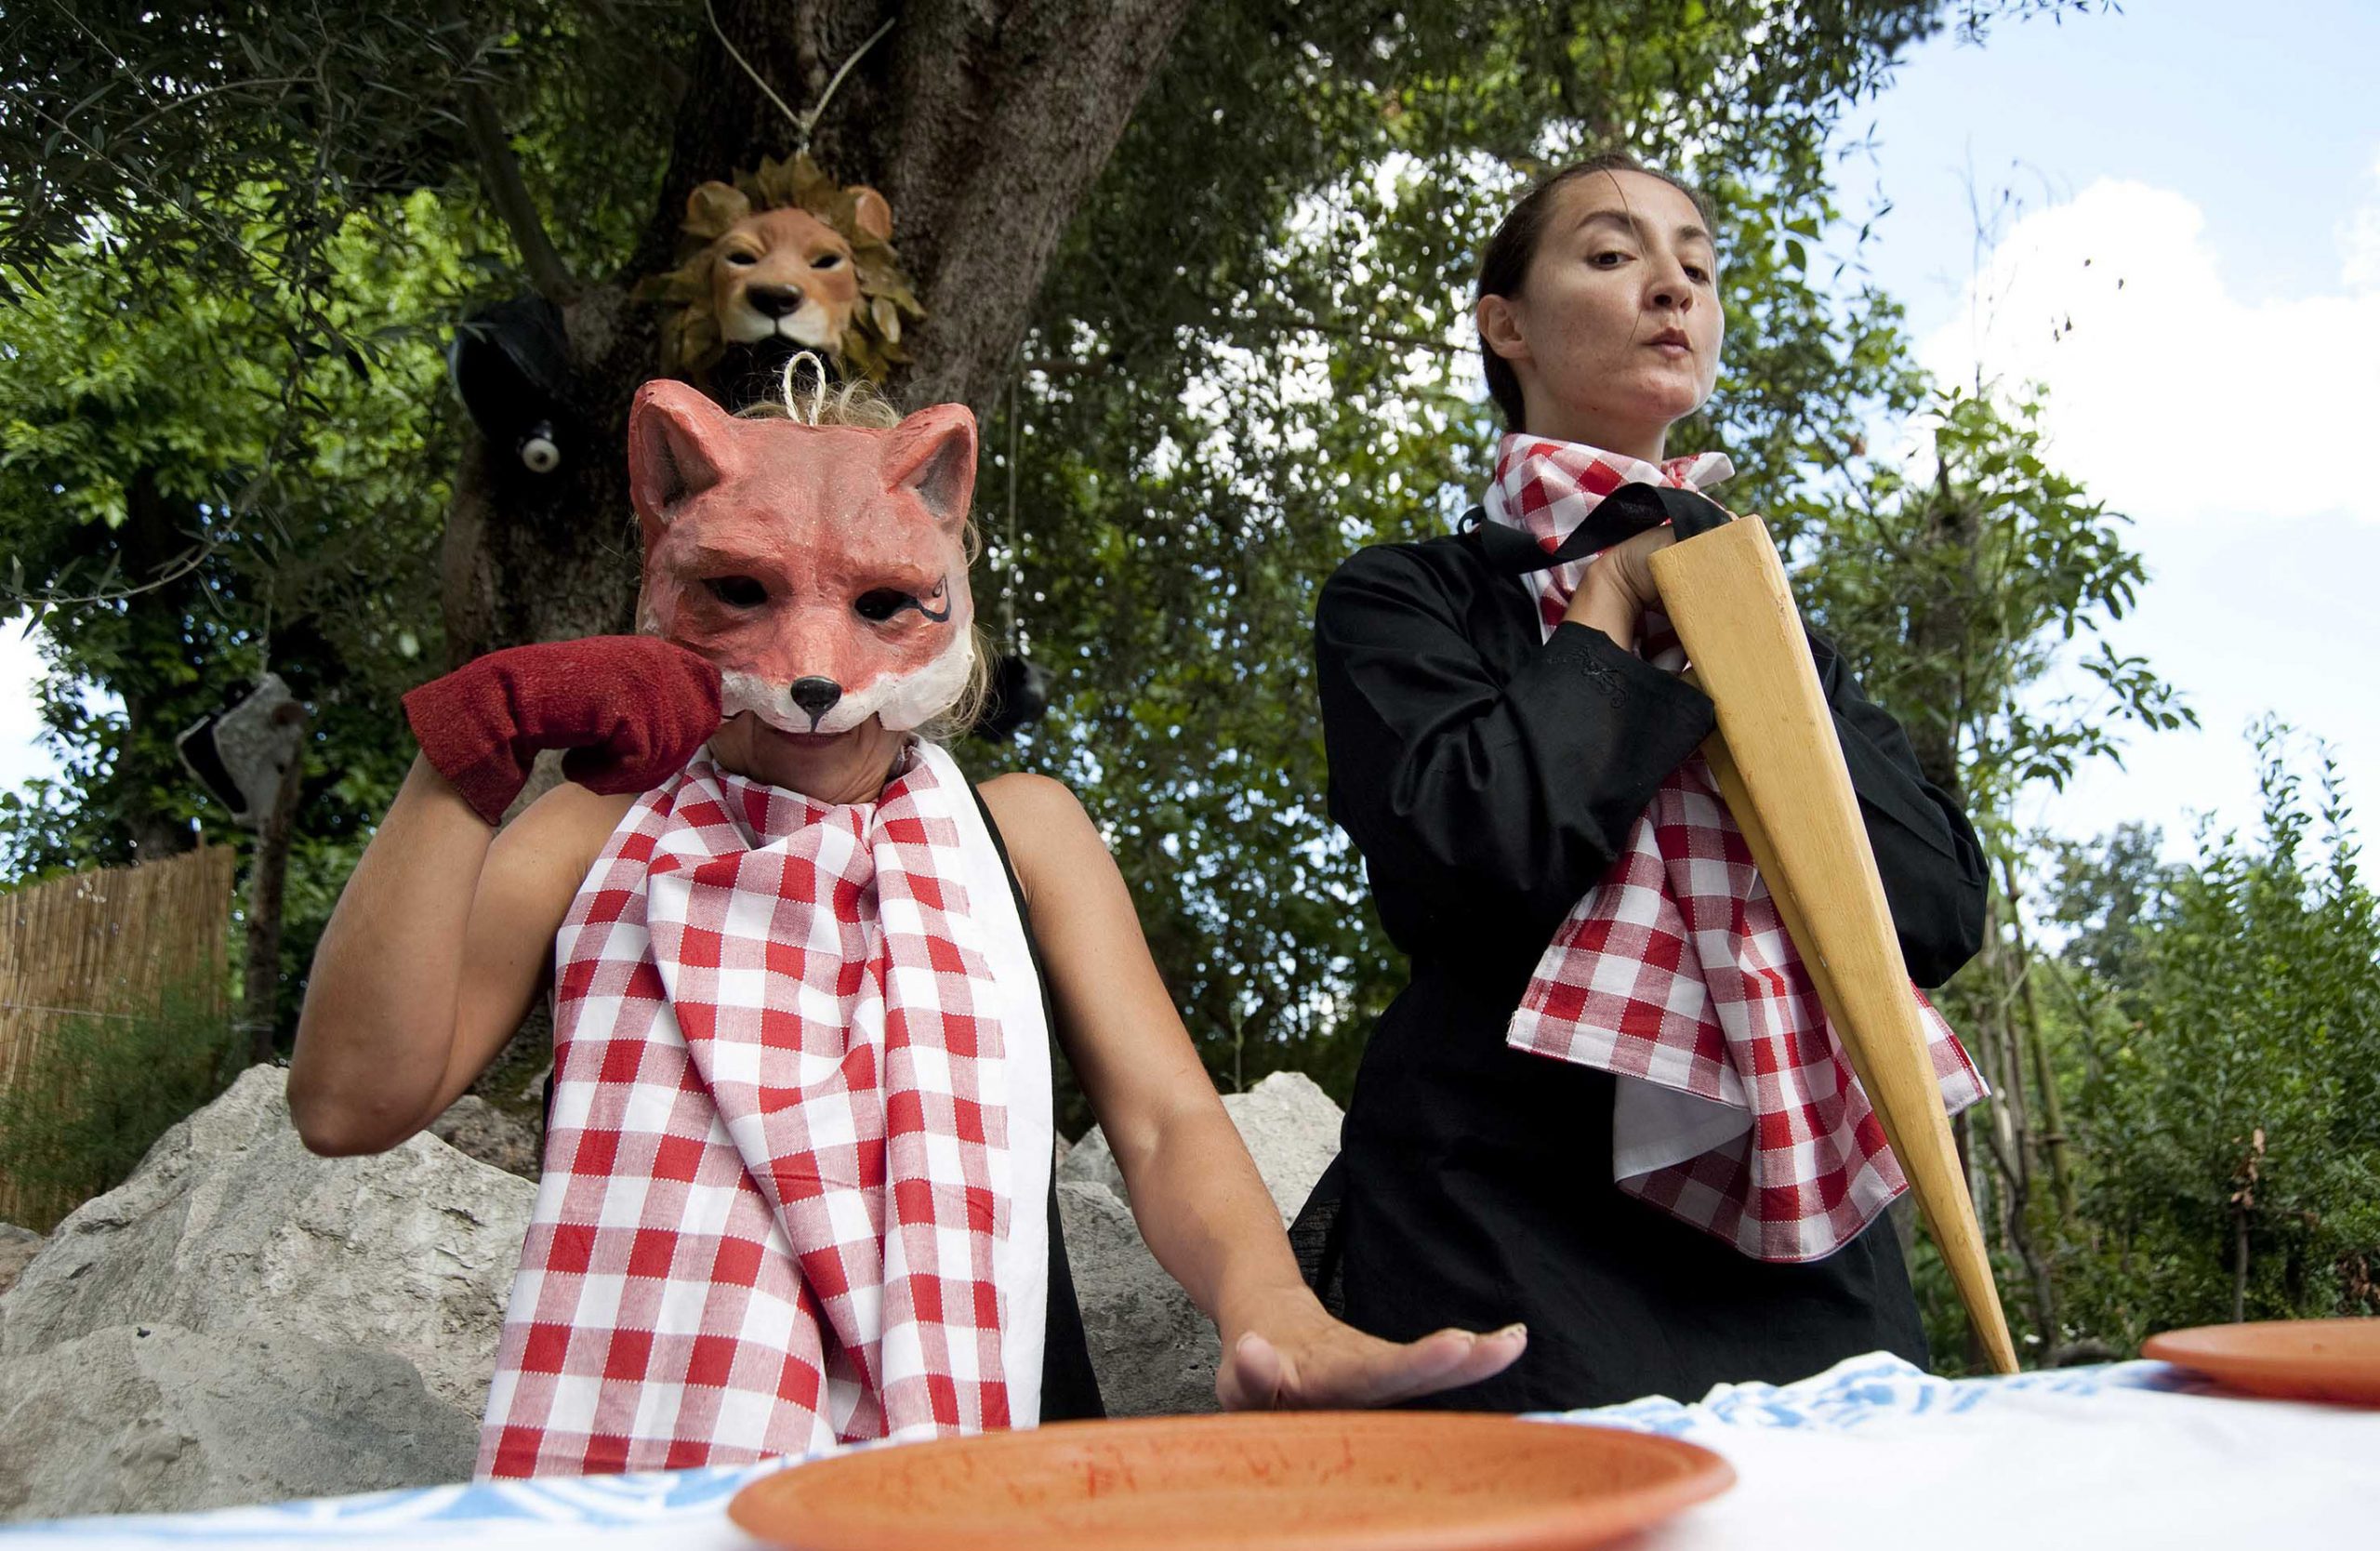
column 1312, row 1482
column 2296, row 1359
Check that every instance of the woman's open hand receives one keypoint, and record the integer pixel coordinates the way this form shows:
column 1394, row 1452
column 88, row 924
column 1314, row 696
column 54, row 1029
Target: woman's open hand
column 1296, row 1357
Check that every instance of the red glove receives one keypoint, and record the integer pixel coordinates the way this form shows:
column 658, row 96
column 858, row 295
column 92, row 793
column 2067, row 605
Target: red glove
column 631, row 710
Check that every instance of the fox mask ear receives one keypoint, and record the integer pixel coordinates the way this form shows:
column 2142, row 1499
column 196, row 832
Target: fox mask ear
column 933, row 453
column 678, row 447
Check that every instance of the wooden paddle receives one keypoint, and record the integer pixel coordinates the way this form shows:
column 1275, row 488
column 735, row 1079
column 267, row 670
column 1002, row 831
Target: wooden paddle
column 1780, row 767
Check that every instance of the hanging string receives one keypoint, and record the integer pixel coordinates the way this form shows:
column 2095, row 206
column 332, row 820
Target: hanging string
column 1015, row 580
column 802, row 123
column 789, row 390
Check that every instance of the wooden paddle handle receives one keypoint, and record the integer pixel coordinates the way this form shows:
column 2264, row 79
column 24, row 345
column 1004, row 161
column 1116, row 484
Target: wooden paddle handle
column 1781, row 770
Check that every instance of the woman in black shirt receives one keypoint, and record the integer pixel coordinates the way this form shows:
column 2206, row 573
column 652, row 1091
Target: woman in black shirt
column 1489, row 769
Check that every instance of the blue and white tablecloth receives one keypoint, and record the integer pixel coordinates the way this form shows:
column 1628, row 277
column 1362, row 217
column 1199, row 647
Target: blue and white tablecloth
column 1872, row 1453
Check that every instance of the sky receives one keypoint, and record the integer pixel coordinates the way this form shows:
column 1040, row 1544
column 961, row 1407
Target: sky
column 2221, row 160
column 2190, row 262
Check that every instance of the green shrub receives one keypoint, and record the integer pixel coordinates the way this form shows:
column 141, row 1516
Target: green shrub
column 98, row 1092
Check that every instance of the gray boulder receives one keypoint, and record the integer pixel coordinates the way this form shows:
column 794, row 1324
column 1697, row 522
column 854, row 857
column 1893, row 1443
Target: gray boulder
column 1154, row 1352
column 18, row 1247
column 1291, row 1128
column 148, row 1418
column 1289, row 1124
column 1088, row 1162
column 478, row 1129
column 230, row 1227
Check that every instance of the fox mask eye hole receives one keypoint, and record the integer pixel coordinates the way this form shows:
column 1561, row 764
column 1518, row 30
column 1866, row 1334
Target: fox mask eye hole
column 736, row 592
column 884, row 603
column 827, row 261
column 741, row 258
column 881, row 603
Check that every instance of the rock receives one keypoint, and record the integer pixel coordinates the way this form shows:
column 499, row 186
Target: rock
column 230, row 1228
column 1154, row 1352
column 1289, row 1124
column 18, row 1247
column 1291, row 1128
column 157, row 1418
column 1090, row 1162
column 478, row 1129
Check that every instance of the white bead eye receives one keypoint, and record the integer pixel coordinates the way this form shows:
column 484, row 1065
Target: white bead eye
column 539, row 454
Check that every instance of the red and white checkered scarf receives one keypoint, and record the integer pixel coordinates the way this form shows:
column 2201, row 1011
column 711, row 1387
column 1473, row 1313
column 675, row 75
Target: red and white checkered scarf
column 1738, row 1111
column 776, row 1170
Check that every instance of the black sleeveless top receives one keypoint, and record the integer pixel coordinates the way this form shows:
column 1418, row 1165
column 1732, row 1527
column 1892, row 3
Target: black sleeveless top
column 1069, row 1387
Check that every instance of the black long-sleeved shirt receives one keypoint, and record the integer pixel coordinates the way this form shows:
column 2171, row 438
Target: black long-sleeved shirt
column 1489, row 779
column 1490, row 775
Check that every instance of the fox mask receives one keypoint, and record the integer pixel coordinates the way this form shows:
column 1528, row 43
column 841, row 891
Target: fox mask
column 822, row 568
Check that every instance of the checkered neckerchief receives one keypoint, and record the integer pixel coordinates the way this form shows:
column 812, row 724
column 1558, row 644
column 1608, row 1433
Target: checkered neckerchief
column 768, row 1215
column 1675, row 970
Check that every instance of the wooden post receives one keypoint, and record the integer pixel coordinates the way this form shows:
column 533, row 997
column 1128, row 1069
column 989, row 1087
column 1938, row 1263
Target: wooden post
column 1782, row 771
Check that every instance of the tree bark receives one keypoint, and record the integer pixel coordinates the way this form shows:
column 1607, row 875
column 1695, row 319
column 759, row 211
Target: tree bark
column 2052, row 1109
column 151, row 546
column 267, row 872
column 2239, row 1265
column 2013, row 1129
column 1939, row 632
column 985, row 125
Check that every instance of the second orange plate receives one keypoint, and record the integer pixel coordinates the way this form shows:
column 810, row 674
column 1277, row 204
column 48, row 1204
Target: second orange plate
column 2298, row 1360
column 1314, row 1481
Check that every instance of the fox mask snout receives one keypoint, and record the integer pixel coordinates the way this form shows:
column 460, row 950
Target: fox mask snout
column 823, row 568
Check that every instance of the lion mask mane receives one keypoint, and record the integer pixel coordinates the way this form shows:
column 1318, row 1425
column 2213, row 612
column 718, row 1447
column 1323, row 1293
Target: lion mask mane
column 786, row 253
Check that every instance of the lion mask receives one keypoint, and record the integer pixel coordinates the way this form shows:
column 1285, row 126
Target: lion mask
column 786, row 255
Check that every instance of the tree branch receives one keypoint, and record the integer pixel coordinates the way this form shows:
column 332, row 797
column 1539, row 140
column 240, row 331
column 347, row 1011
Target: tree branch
column 1284, row 318
column 502, row 171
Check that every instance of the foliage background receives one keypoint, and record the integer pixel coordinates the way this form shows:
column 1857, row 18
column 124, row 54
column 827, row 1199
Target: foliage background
column 234, row 239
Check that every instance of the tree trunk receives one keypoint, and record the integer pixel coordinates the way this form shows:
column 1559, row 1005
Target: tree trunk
column 2012, row 1128
column 983, row 124
column 2239, row 1264
column 268, row 870
column 148, row 547
column 2053, row 1112
column 1939, row 635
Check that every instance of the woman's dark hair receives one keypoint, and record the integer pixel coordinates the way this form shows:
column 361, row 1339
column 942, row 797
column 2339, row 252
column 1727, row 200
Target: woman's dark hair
column 1504, row 264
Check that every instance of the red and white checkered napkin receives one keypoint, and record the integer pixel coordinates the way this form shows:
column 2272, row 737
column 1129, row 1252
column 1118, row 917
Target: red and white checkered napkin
column 1738, row 1111
column 769, row 1212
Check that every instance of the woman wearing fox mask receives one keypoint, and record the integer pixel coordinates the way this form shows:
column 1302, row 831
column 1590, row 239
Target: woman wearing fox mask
column 797, row 1172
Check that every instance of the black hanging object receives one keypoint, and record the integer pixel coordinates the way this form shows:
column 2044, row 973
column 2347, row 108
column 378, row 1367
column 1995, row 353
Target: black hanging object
column 238, row 752
column 754, row 373
column 1020, row 697
column 510, row 366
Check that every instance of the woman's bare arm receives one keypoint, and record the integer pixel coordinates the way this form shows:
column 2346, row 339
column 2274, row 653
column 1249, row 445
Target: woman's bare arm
column 1195, row 1191
column 432, row 956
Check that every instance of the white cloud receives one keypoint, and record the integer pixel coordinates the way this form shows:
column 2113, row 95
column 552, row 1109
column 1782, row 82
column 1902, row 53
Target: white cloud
column 2237, row 435
column 2360, row 242
column 2169, row 394
column 21, row 665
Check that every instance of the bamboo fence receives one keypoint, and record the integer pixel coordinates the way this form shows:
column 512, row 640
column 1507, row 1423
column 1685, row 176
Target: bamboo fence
column 108, row 944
